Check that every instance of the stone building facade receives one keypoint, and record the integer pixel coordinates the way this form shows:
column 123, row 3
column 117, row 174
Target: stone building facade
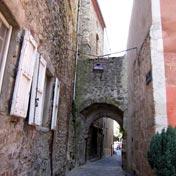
column 151, row 86
column 37, row 144
column 91, row 28
column 101, row 95
column 108, row 140
column 90, row 45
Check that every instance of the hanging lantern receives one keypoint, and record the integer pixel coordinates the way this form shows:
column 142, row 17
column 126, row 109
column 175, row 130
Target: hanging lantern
column 98, row 70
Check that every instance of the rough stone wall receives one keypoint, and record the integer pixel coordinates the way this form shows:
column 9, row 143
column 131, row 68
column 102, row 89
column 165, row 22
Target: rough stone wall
column 140, row 24
column 109, row 88
column 24, row 149
column 88, row 43
column 88, row 28
column 142, row 121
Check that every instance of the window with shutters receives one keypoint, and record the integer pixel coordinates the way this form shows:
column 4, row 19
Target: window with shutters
column 36, row 92
column 43, row 96
column 20, row 99
column 5, row 34
column 48, row 100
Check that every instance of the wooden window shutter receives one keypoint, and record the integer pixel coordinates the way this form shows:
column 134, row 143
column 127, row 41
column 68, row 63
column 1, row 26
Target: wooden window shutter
column 23, row 81
column 33, row 91
column 37, row 94
column 55, row 104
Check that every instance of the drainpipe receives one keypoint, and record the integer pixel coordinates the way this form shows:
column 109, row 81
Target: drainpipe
column 76, row 55
column 85, row 150
column 75, row 77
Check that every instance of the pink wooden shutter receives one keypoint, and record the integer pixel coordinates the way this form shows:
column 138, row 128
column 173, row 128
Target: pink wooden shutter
column 24, row 77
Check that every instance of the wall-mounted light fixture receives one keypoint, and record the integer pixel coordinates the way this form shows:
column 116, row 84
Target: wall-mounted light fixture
column 98, row 69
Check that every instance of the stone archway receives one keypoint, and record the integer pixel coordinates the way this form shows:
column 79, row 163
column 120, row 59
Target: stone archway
column 89, row 115
column 99, row 97
column 98, row 110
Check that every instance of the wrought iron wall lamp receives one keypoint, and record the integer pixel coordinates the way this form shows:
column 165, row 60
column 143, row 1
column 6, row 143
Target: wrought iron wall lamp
column 98, row 69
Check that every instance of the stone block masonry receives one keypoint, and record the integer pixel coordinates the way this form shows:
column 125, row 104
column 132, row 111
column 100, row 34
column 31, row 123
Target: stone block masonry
column 141, row 105
column 142, row 122
column 24, row 149
column 99, row 93
column 109, row 87
column 91, row 32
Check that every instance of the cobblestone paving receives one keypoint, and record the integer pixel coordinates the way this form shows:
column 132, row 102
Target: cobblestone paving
column 110, row 166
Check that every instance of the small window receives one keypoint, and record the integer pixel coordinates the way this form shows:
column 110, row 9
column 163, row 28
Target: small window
column 5, row 34
column 48, row 99
column 44, row 96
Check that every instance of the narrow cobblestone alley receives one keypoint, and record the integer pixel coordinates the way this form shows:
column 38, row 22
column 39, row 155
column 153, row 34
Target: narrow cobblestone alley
column 110, row 166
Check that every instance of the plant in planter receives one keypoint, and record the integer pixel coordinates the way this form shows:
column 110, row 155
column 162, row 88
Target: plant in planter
column 162, row 152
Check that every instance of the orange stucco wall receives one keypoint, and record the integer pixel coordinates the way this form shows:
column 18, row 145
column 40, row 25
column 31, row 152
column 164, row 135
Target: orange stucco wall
column 168, row 18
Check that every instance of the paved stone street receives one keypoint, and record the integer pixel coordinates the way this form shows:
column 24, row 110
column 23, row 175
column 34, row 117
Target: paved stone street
column 110, row 166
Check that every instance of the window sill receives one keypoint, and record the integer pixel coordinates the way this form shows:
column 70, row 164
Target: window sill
column 42, row 129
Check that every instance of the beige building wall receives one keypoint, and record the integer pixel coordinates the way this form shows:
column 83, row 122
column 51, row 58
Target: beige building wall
column 108, row 130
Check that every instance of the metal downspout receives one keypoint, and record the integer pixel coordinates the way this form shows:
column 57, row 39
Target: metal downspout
column 76, row 55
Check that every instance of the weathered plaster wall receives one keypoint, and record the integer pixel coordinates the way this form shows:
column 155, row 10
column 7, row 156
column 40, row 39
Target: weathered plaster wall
column 24, row 149
column 88, row 28
column 158, row 68
column 168, row 20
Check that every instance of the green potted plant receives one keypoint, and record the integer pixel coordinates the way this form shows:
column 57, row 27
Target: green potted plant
column 162, row 152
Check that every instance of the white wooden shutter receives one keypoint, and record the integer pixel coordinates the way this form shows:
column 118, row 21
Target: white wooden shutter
column 37, row 94
column 23, row 81
column 55, row 104
column 33, row 91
